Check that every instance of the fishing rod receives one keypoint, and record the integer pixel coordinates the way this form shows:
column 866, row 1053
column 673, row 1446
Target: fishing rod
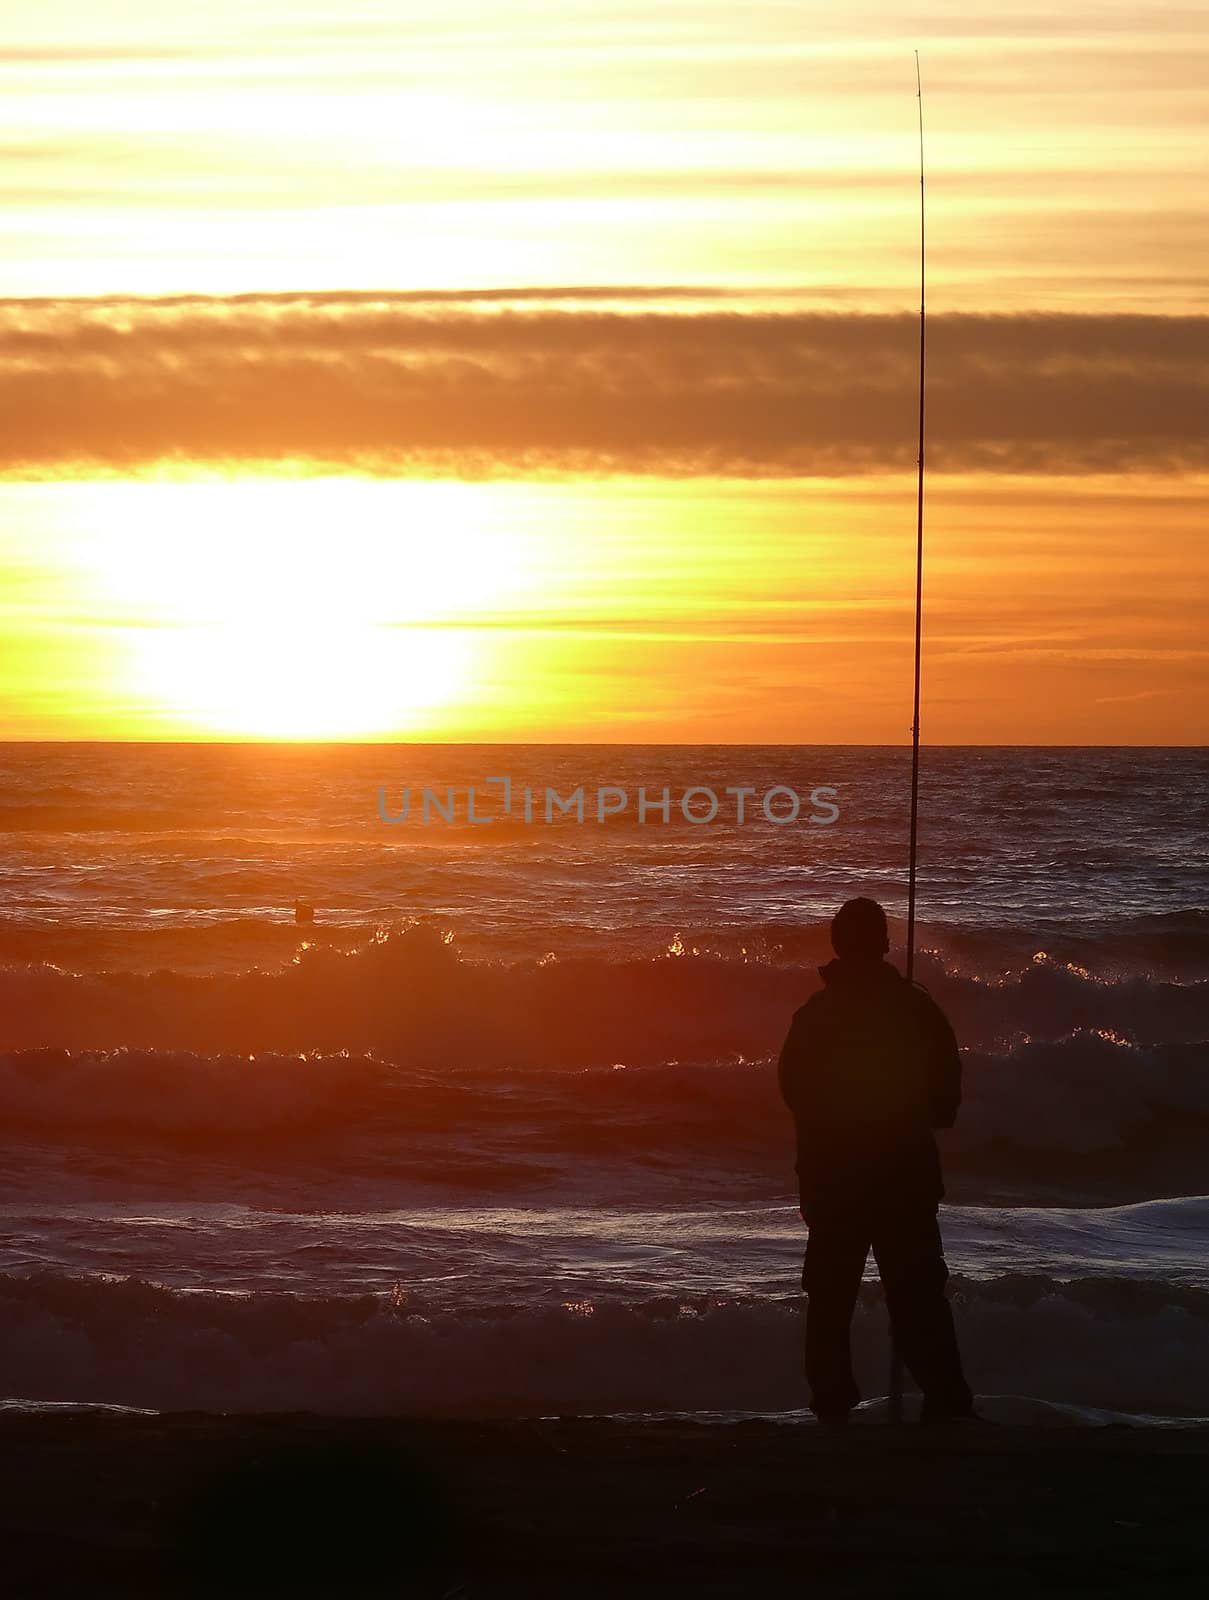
column 919, row 546
column 895, row 1388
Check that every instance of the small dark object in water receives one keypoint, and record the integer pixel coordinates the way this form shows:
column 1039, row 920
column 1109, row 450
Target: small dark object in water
column 304, row 911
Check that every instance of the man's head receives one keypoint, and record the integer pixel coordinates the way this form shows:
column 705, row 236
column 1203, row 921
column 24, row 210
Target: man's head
column 858, row 931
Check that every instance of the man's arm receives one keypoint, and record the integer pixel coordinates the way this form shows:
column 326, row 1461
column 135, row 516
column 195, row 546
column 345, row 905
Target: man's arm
column 793, row 1064
column 793, row 1071
column 944, row 1062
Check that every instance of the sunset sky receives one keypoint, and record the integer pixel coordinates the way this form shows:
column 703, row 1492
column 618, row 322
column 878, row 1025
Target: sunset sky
column 547, row 371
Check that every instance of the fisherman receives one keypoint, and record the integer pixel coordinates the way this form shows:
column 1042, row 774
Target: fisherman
column 869, row 1068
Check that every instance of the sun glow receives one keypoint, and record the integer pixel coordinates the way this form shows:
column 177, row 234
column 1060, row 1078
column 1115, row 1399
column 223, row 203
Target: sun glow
column 282, row 681
column 348, row 608
column 305, row 554
column 304, row 609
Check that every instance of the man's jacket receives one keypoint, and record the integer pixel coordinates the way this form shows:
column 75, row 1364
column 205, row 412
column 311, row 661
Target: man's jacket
column 869, row 1068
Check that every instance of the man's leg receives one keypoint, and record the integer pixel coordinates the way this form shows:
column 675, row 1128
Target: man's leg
column 910, row 1258
column 831, row 1276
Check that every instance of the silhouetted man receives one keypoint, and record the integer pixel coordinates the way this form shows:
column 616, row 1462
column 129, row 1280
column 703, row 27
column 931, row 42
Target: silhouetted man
column 870, row 1067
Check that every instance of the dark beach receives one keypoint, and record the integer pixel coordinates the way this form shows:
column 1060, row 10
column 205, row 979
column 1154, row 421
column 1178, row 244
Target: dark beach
column 161, row 1505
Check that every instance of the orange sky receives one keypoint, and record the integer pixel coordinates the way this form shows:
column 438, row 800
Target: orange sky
column 365, row 500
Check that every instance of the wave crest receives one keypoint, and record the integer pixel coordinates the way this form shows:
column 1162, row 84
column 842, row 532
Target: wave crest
column 410, row 995
column 1099, row 1343
column 1086, row 1095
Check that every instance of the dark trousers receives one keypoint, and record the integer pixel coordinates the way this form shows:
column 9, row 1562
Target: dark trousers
column 906, row 1245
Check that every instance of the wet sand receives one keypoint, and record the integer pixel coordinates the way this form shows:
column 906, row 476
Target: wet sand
column 134, row 1505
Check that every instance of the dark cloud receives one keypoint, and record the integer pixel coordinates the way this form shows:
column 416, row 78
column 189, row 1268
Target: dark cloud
column 575, row 380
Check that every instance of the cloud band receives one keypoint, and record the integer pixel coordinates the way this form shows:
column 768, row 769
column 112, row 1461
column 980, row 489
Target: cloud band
column 582, row 380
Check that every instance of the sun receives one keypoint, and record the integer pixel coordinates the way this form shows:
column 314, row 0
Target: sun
column 321, row 609
column 325, row 681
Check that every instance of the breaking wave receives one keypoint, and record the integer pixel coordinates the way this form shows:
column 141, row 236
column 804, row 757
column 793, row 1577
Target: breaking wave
column 1170, row 945
column 1098, row 1342
column 1088, row 1094
column 409, row 995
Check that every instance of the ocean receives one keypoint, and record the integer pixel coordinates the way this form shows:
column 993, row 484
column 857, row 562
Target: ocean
column 498, row 1133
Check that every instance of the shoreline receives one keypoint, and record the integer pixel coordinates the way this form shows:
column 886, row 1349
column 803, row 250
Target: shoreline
column 141, row 1504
